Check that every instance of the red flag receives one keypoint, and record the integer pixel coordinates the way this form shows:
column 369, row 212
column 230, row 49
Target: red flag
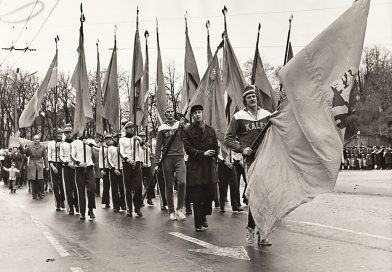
column 99, row 107
column 210, row 95
column 267, row 98
column 191, row 74
column 136, row 81
column 31, row 111
column 111, row 99
column 83, row 111
column 300, row 155
column 233, row 79
column 160, row 90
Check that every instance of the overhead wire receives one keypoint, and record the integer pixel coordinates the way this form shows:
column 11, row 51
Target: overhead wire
column 39, row 30
column 21, row 31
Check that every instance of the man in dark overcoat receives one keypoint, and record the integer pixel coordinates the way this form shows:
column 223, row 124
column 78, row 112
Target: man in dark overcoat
column 201, row 145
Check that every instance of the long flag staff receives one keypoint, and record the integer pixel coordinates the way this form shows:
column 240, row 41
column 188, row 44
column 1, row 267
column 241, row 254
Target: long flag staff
column 103, row 147
column 187, row 77
column 134, row 91
column 146, row 35
column 287, row 47
column 82, row 20
column 224, row 12
column 56, row 39
column 253, row 75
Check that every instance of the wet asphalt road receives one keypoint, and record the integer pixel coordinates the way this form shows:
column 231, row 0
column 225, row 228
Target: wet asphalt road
column 347, row 230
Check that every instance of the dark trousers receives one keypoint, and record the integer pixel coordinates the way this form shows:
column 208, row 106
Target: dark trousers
column 228, row 177
column 58, row 188
column 70, row 188
column 97, row 187
column 240, row 171
column 161, row 186
column 117, row 185
column 85, row 181
column 37, row 187
column 133, row 185
column 148, row 182
column 106, row 188
column 201, row 196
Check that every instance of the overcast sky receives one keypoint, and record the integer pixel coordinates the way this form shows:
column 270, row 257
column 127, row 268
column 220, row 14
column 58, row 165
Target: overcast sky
column 310, row 18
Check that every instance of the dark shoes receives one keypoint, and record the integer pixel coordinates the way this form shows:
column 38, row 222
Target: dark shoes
column 205, row 223
column 149, row 202
column 138, row 212
column 82, row 217
column 107, row 206
column 116, row 210
column 71, row 212
column 237, row 209
column 62, row 205
column 91, row 214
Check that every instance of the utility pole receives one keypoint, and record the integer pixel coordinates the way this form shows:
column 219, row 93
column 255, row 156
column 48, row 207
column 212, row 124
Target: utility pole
column 16, row 102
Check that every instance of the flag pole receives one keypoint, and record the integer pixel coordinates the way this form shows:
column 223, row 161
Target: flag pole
column 288, row 40
column 146, row 34
column 253, row 75
column 287, row 47
column 134, row 91
column 56, row 39
column 96, row 92
column 82, row 20
column 187, row 77
column 224, row 11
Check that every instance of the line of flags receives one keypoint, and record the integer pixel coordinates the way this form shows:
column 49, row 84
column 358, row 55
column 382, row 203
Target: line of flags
column 107, row 113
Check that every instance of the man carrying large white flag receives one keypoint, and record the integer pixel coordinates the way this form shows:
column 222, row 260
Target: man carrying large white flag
column 31, row 110
column 300, row 155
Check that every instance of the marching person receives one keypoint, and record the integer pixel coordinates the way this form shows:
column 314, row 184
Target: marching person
column 35, row 169
column 131, row 151
column 115, row 174
column 245, row 126
column 147, row 171
column 201, row 145
column 97, row 171
column 55, row 169
column 228, row 178
column 68, row 172
column 81, row 154
column 104, row 169
column 170, row 152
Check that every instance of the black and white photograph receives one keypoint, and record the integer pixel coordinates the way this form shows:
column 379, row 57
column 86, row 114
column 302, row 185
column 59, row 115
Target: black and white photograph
column 196, row 135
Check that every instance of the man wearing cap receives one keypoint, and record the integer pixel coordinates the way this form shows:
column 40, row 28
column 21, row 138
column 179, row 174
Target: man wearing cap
column 81, row 155
column 55, row 169
column 69, row 185
column 201, row 145
column 246, row 125
column 131, row 151
column 172, row 159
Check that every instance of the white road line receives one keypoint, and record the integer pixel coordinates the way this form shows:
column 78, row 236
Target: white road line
column 55, row 243
column 76, row 269
column 340, row 229
column 192, row 240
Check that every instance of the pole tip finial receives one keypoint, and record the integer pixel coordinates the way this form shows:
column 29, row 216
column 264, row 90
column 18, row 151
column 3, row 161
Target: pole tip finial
column 208, row 24
column 224, row 10
column 259, row 26
column 146, row 34
column 291, row 18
